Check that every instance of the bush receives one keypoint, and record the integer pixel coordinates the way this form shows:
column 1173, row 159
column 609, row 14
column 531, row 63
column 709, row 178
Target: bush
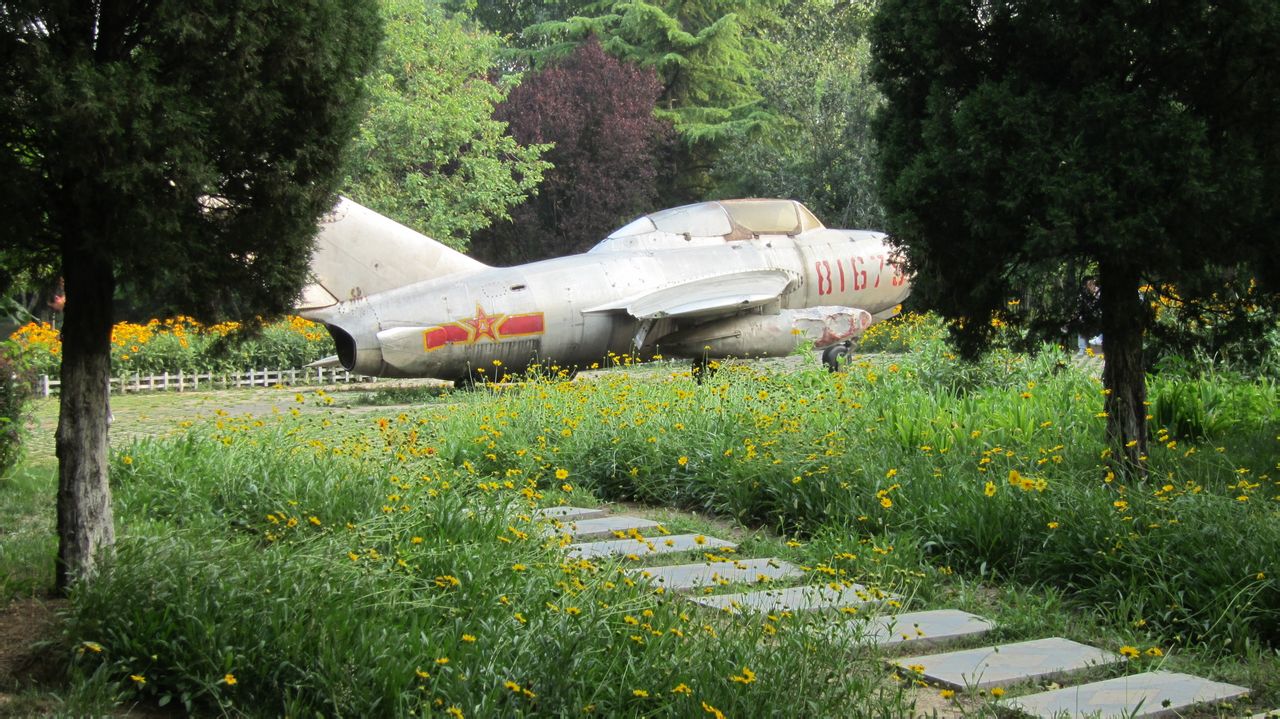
column 903, row 333
column 181, row 344
column 1237, row 329
column 15, row 390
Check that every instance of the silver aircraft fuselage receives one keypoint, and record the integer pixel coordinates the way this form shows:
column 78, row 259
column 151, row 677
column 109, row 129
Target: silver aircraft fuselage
column 741, row 293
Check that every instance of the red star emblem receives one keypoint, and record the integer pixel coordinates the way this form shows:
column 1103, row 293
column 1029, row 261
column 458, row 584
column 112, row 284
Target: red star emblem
column 483, row 324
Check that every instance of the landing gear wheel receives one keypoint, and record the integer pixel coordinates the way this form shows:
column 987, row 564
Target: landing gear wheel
column 836, row 357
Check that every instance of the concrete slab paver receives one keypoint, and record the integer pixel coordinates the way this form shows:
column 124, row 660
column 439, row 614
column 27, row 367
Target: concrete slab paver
column 683, row 577
column 569, row 514
column 1008, row 664
column 809, row 598
column 927, row 628
column 606, row 526
column 648, row 546
column 1153, row 694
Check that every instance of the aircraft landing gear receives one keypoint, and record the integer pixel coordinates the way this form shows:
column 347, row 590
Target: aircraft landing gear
column 836, row 357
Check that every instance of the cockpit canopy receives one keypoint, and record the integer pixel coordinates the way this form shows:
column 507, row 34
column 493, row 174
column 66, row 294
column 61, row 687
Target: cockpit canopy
column 711, row 222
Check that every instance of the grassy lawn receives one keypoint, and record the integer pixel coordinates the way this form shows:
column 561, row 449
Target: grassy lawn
column 299, row 552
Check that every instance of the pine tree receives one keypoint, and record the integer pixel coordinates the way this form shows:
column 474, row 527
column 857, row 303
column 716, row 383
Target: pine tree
column 1135, row 139
column 185, row 148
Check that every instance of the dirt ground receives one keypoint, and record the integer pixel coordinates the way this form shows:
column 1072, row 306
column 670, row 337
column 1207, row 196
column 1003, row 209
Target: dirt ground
column 25, row 659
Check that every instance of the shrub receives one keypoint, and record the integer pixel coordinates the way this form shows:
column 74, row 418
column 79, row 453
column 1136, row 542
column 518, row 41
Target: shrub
column 903, row 333
column 180, row 344
column 15, row 390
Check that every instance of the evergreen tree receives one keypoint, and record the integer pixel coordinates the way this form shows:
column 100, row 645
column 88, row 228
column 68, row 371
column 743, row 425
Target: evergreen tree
column 708, row 57
column 597, row 112
column 1132, row 138
column 183, row 147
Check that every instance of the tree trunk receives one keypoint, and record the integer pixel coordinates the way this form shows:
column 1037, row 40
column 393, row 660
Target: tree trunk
column 1124, row 373
column 86, row 529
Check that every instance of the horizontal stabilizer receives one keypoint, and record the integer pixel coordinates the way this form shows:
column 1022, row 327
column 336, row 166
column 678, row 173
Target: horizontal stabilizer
column 360, row 252
column 707, row 296
column 330, row 362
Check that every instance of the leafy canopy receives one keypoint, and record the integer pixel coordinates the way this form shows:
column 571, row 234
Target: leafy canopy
column 597, row 111
column 188, row 146
column 819, row 150
column 1022, row 138
column 429, row 153
column 707, row 54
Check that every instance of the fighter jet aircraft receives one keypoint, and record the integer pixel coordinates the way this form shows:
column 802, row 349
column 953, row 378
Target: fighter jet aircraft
column 730, row 278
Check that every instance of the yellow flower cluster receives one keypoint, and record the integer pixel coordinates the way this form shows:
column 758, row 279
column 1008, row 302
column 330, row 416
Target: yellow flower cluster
column 149, row 346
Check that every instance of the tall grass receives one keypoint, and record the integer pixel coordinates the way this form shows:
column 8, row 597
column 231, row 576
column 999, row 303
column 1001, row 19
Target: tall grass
column 999, row 467
column 327, row 564
column 266, row 571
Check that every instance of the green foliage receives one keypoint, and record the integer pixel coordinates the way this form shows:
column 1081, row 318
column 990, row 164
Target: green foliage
column 275, row 346
column 998, row 467
column 28, row 544
column 1236, row 328
column 186, row 146
column 875, row 474
column 272, row 568
column 820, row 150
column 16, row 383
column 183, row 345
column 598, row 112
column 906, row 332
column 708, row 55
column 1211, row 406
column 429, row 153
column 1019, row 140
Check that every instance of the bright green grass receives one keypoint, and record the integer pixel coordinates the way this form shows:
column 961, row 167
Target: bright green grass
column 370, row 577
column 981, row 487
column 27, row 540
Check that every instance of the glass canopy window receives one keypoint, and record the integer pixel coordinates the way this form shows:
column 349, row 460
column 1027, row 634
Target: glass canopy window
column 730, row 219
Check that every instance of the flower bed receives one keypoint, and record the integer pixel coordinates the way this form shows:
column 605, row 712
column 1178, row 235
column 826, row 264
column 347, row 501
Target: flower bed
column 181, row 344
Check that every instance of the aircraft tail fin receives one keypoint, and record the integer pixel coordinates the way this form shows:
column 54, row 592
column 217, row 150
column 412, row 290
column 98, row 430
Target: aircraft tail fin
column 360, row 252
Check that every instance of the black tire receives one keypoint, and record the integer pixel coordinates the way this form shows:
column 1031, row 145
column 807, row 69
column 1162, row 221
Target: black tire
column 836, row 357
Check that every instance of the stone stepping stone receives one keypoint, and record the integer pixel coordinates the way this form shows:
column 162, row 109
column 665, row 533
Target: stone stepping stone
column 922, row 629
column 606, row 526
column 1154, row 694
column 811, row 598
column 684, row 577
column 648, row 547
column 1273, row 714
column 569, row 514
column 1007, row 664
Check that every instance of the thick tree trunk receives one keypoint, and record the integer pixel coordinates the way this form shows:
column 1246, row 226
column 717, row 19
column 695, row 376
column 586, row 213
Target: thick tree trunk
column 1124, row 371
column 86, row 529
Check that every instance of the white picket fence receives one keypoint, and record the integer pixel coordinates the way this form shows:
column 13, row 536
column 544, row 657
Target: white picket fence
column 184, row 382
